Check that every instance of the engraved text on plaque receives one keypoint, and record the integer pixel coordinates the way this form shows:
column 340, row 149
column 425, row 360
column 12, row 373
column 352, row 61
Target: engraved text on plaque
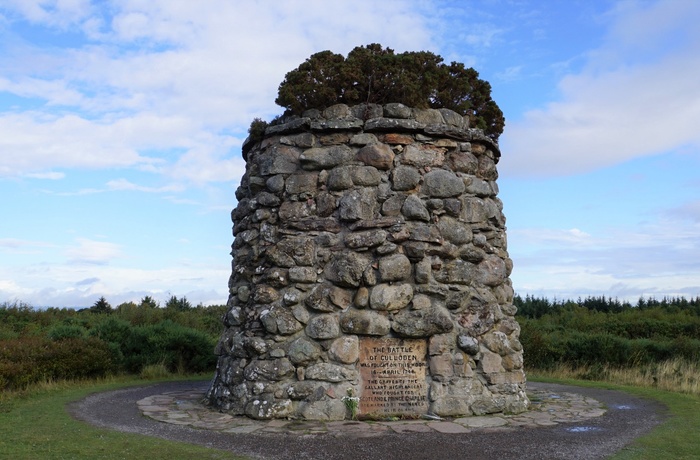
column 392, row 377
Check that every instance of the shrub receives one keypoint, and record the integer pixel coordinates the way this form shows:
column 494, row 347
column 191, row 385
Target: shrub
column 28, row 360
column 372, row 74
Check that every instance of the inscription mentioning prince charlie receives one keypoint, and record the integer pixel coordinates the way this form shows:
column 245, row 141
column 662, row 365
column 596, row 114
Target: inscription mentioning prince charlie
column 392, row 377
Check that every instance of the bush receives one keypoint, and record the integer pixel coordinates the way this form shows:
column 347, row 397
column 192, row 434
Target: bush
column 372, row 74
column 30, row 360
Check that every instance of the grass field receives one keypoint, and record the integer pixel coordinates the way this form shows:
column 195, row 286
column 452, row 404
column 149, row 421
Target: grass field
column 35, row 425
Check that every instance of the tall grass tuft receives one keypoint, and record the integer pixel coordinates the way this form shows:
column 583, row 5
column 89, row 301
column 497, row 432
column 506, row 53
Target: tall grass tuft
column 677, row 374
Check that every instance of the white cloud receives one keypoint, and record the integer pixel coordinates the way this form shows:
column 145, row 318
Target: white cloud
column 51, row 175
column 81, row 285
column 93, row 252
column 628, row 102
column 124, row 184
column 162, row 77
column 661, row 258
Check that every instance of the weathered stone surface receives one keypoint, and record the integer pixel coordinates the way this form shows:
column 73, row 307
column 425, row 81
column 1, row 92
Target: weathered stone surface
column 396, row 110
column 345, row 349
column 395, row 267
column 414, row 209
column 302, row 183
column 270, row 369
column 369, row 224
column 280, row 321
column 441, row 183
column 405, row 178
column 266, row 408
column 325, row 157
column 422, row 323
column 378, row 155
column 358, row 204
column 323, row 327
column 325, row 410
column 303, row 351
column 423, row 155
column 346, row 268
column 455, row 272
column 365, row 239
column 339, row 178
column 330, row 373
column 491, row 271
column 468, row 344
column 302, row 275
column 364, row 322
column 279, row 159
column 390, row 297
column 365, row 176
column 454, row 231
column 318, row 298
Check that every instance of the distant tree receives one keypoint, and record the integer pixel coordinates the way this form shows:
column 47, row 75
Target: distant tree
column 148, row 302
column 178, row 304
column 374, row 74
column 101, row 306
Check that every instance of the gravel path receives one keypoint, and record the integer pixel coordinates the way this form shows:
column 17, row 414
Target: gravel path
column 627, row 418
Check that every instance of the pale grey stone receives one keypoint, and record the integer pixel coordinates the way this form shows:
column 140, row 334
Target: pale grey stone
column 405, row 178
column 325, row 157
column 302, row 274
column 345, row 349
column 423, row 156
column 363, row 139
column 422, row 323
column 365, row 239
column 390, row 297
column 428, row 116
column 330, row 373
column 392, row 205
column 303, row 351
column 358, row 205
column 268, row 369
column 395, row 267
column 397, row 110
column 324, row 410
column 491, row 271
column 454, row 231
column 468, row 344
column 339, row 178
column 441, row 183
column 414, row 209
column 302, row 183
column 364, row 322
column 266, row 407
column 346, row 268
column 323, row 327
column 378, row 155
column 365, row 176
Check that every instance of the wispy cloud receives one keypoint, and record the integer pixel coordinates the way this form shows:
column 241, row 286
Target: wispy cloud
column 610, row 113
column 93, row 252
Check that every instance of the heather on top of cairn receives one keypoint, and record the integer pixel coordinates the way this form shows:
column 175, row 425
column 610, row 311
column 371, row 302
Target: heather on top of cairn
column 374, row 75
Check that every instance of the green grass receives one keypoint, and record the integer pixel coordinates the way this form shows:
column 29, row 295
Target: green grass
column 35, row 425
column 674, row 439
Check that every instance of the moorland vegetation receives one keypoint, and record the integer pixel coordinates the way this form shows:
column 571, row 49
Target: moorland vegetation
column 650, row 343
column 39, row 345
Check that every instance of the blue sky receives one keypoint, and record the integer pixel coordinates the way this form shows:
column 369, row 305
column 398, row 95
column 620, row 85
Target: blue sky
column 121, row 125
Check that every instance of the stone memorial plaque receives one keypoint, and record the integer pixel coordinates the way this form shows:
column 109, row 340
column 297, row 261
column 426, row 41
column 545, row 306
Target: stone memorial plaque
column 392, row 377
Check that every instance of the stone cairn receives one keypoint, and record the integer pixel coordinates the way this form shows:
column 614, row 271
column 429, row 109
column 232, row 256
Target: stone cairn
column 370, row 276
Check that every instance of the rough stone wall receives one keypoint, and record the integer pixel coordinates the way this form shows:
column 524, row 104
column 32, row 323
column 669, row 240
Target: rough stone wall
column 368, row 221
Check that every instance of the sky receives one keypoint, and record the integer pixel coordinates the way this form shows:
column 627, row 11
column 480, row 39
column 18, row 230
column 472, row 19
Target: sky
column 121, row 124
